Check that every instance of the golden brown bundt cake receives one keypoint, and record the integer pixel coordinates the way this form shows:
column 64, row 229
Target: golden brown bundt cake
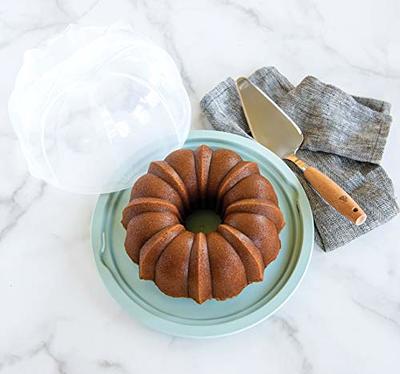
column 198, row 265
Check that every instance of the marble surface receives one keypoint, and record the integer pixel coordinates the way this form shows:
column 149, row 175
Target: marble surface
column 55, row 314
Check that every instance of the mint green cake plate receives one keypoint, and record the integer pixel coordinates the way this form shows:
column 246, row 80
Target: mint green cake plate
column 184, row 317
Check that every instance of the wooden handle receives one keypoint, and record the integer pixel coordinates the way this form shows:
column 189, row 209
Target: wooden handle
column 335, row 195
column 332, row 193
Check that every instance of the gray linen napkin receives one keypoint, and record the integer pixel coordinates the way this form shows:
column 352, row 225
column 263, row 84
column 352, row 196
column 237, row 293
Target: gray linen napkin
column 344, row 137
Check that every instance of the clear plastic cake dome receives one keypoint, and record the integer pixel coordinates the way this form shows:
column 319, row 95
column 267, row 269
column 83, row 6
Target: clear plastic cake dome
column 93, row 106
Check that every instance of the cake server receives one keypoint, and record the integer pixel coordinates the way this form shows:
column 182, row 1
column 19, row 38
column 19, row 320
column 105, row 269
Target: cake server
column 271, row 127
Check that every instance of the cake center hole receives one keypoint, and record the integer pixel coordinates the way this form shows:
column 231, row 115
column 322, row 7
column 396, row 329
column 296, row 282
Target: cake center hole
column 202, row 220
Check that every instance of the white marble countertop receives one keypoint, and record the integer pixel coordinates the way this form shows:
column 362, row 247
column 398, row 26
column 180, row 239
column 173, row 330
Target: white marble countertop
column 56, row 316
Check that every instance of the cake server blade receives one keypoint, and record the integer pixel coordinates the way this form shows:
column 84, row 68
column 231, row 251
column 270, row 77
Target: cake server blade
column 274, row 129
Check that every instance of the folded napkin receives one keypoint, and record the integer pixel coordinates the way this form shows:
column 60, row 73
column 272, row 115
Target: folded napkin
column 344, row 137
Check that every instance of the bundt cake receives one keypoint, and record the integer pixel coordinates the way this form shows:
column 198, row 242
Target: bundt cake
column 199, row 265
